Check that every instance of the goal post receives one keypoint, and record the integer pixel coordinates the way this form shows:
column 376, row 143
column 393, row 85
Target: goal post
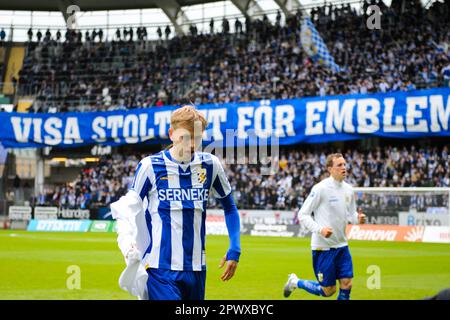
column 405, row 206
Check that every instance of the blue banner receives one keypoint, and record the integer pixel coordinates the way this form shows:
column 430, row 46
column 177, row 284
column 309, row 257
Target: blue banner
column 309, row 120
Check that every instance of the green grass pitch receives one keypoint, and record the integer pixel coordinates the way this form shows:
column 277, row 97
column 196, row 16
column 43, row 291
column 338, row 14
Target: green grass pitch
column 33, row 265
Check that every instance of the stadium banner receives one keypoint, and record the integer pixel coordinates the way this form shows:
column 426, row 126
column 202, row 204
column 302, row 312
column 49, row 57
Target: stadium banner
column 275, row 230
column 83, row 214
column 45, row 213
column 437, row 234
column 216, row 227
column 101, row 226
column 397, row 114
column 423, row 219
column 59, row 225
column 385, row 233
column 289, row 217
column 19, row 213
column 377, row 217
column 260, row 216
column 48, row 213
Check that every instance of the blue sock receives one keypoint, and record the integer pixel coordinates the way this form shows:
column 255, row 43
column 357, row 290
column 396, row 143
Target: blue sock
column 312, row 287
column 344, row 294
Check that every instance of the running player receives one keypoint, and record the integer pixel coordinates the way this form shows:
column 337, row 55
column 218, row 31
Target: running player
column 333, row 203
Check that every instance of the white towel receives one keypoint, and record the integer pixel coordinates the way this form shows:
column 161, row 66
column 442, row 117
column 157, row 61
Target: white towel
column 134, row 277
column 134, row 280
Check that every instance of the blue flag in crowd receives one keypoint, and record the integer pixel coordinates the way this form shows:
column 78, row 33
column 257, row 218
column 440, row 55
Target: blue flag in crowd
column 314, row 46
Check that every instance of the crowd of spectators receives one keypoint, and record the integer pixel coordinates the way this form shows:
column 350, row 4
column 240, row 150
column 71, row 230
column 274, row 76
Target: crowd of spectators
column 261, row 60
column 94, row 35
column 95, row 186
column 298, row 169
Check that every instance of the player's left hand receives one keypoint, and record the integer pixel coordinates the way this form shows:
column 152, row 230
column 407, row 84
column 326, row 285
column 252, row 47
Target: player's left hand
column 361, row 217
column 229, row 270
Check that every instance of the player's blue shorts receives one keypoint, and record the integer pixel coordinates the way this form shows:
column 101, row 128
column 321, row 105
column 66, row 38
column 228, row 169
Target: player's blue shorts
column 165, row 284
column 333, row 264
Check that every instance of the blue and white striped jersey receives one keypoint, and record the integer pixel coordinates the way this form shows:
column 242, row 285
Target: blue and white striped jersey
column 175, row 197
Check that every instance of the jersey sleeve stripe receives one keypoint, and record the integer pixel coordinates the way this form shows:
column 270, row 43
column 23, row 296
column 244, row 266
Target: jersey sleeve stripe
column 136, row 174
column 188, row 213
column 217, row 185
column 141, row 182
column 145, row 189
column 163, row 242
column 148, row 221
column 210, row 174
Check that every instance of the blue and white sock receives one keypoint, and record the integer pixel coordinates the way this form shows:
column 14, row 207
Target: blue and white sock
column 344, row 294
column 312, row 287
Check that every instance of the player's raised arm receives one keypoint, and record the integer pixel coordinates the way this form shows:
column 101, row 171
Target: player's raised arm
column 222, row 190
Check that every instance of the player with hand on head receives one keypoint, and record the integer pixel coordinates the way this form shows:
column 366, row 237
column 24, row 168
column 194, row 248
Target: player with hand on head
column 333, row 203
column 161, row 220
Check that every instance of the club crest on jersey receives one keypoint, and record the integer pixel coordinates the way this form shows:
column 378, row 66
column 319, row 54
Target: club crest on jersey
column 200, row 175
column 320, row 276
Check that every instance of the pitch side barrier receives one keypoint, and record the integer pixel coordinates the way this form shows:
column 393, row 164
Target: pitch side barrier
column 276, row 223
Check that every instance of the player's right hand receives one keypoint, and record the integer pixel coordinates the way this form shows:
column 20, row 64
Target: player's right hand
column 326, row 232
column 229, row 270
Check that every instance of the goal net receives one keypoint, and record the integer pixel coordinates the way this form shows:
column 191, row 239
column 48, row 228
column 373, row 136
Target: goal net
column 405, row 206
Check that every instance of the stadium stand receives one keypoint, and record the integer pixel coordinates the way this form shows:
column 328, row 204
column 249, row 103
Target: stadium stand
column 264, row 62
column 298, row 171
column 75, row 71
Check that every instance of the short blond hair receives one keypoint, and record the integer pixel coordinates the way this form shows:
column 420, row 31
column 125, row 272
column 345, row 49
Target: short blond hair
column 331, row 157
column 186, row 117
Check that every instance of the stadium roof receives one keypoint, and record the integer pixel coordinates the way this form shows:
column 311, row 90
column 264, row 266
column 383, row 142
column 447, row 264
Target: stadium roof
column 172, row 8
column 91, row 5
